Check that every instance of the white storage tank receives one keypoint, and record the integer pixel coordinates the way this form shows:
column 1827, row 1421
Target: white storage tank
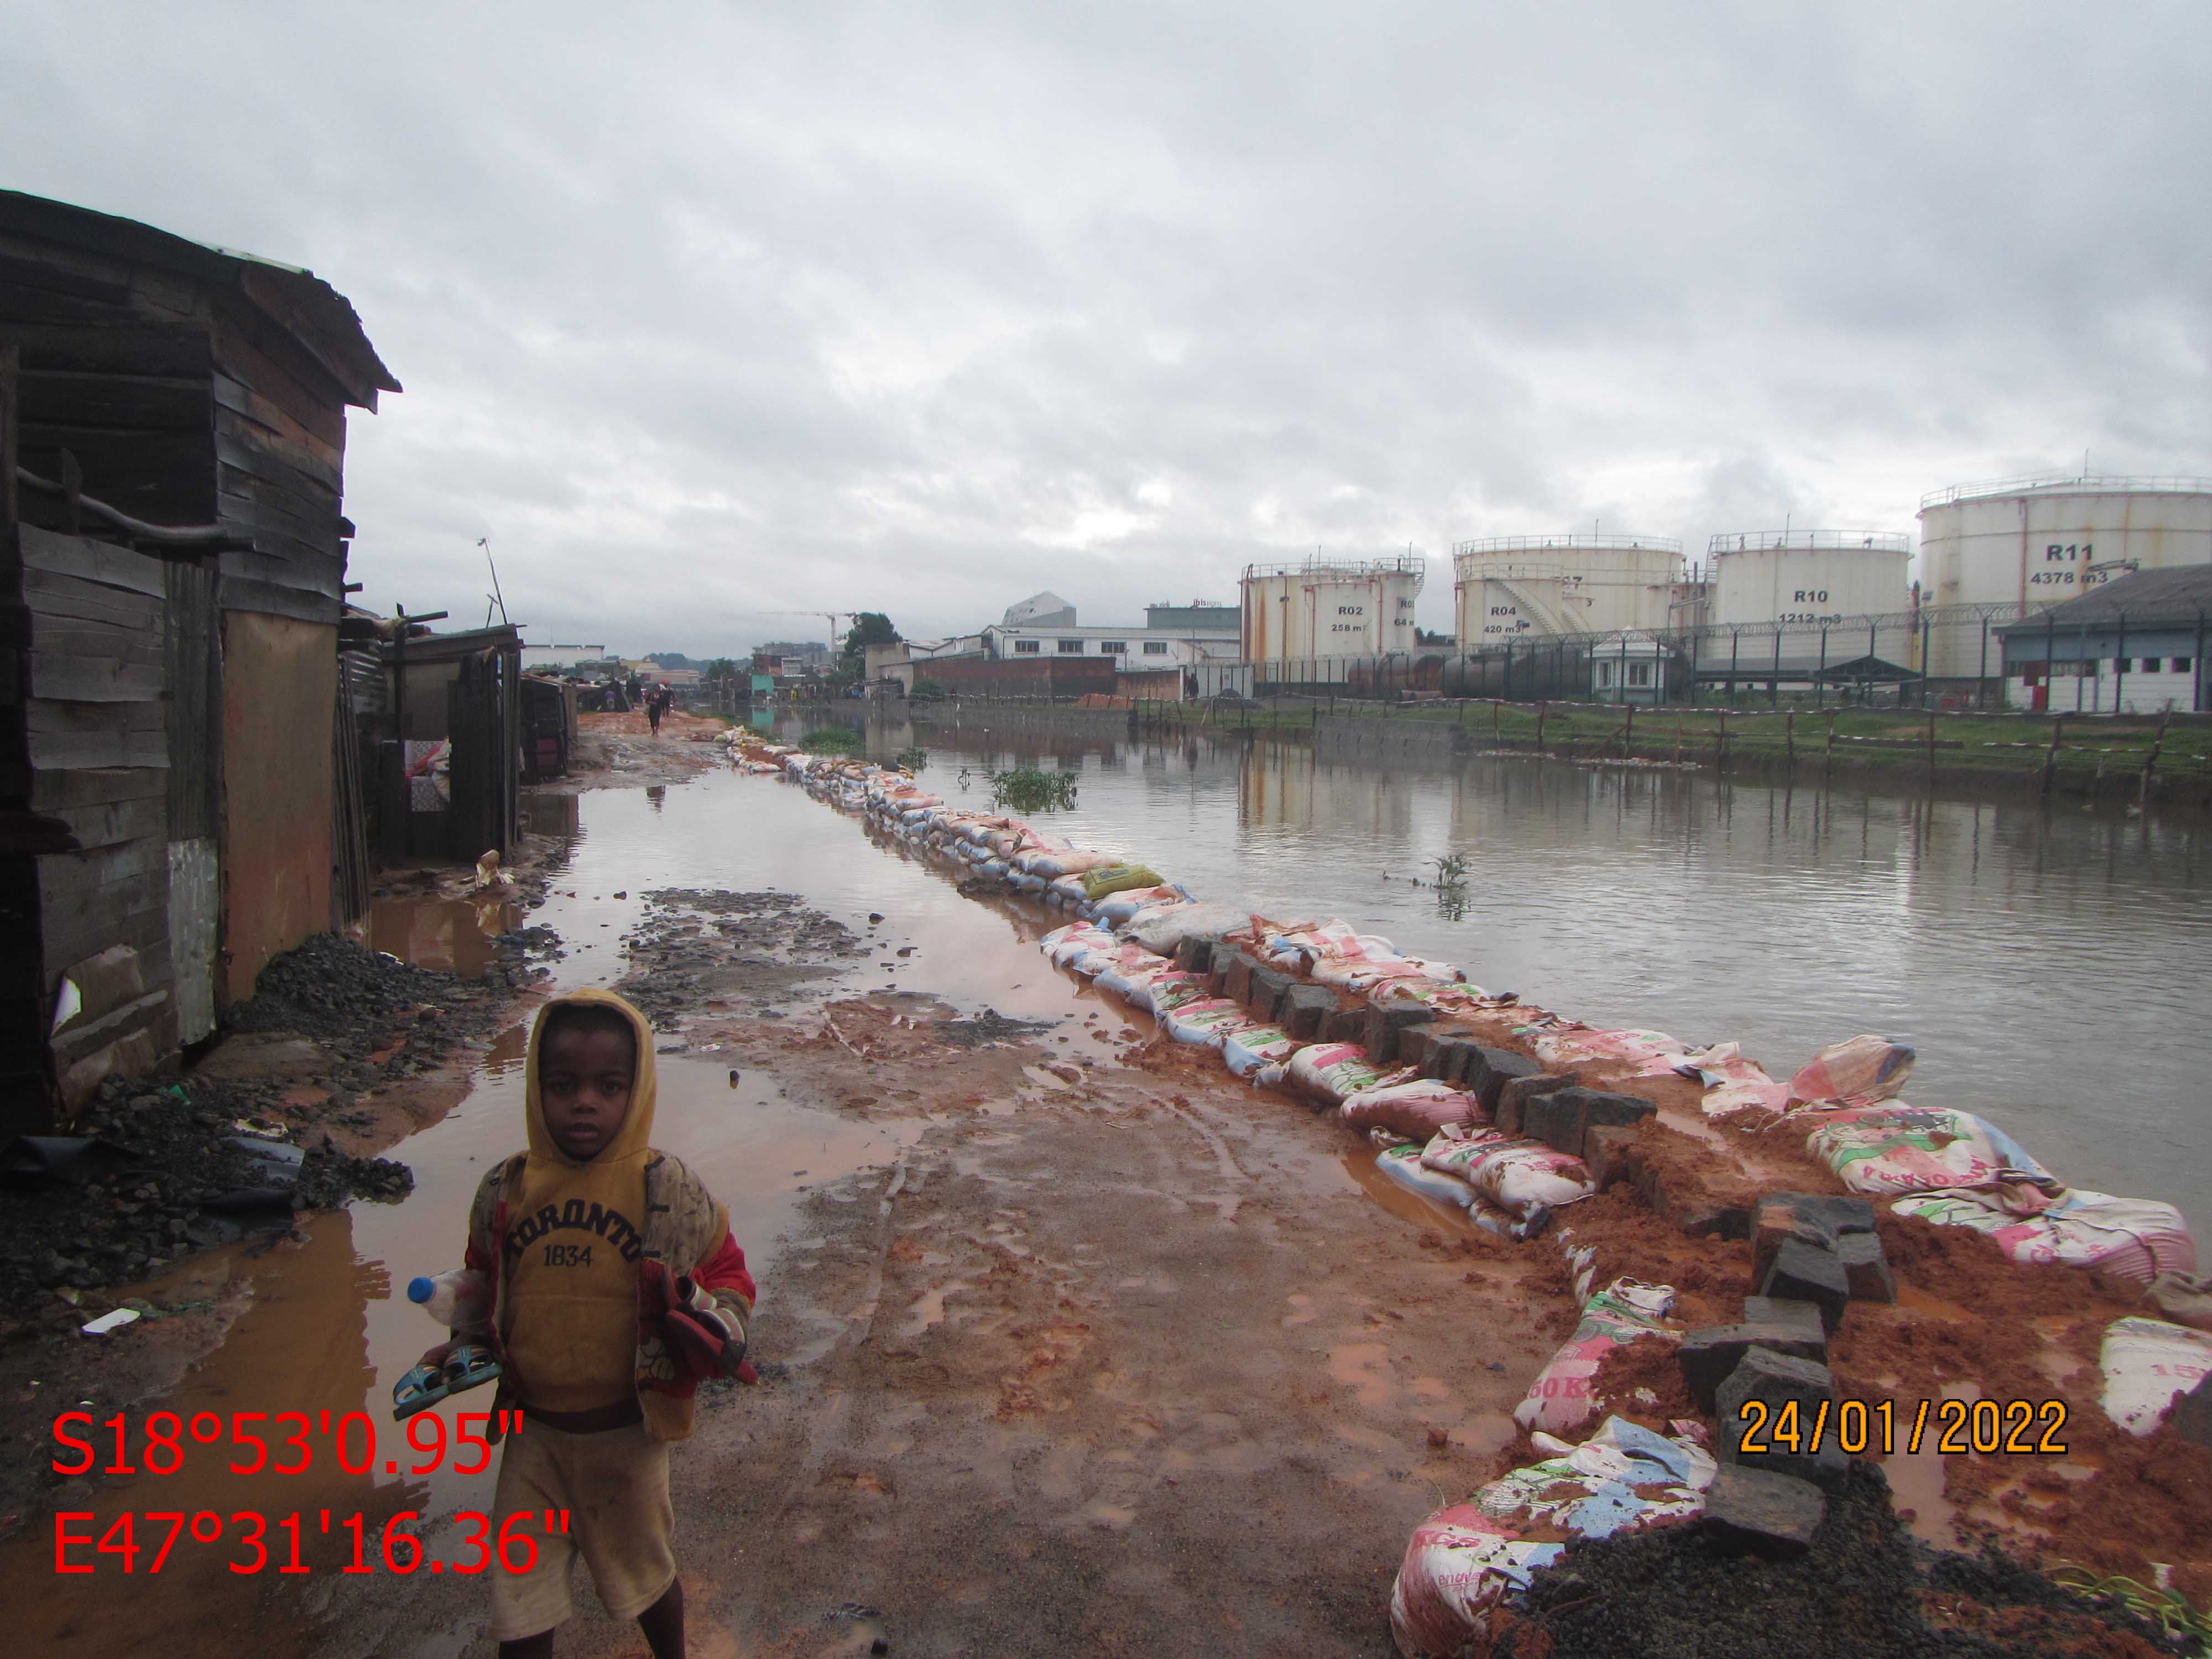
column 1809, row 577
column 2014, row 545
column 1508, row 586
column 1330, row 607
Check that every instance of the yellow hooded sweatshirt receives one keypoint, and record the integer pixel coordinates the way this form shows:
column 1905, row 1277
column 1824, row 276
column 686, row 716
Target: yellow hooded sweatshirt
column 573, row 1242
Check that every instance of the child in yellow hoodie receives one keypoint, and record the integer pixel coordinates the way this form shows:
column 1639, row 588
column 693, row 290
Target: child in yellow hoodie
column 616, row 1288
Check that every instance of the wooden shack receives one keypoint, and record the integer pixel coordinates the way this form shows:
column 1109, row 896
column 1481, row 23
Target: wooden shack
column 172, row 558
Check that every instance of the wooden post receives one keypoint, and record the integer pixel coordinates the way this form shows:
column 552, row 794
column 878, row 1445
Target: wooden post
column 1931, row 737
column 2051, row 758
column 1790, row 743
column 1497, row 720
column 1720, row 743
column 1678, row 736
column 2158, row 742
column 1828, row 750
column 1628, row 732
column 1540, row 728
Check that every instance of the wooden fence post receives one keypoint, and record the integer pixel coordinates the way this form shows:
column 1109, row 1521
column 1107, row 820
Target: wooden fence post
column 1539, row 727
column 1790, row 743
column 2157, row 743
column 2051, row 757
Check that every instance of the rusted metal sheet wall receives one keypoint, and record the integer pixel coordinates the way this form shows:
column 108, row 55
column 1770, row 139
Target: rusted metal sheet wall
column 279, row 689
column 96, row 741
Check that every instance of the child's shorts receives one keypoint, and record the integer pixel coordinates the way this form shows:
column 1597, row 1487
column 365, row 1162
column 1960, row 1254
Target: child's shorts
column 614, row 1485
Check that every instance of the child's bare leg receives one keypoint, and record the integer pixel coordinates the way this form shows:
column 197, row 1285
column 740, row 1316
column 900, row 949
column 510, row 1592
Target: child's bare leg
column 663, row 1624
column 530, row 1647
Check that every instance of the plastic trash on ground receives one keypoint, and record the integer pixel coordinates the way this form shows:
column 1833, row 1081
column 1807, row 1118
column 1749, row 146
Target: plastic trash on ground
column 1626, row 1311
column 2147, row 1362
column 1419, row 1109
column 1897, row 1148
column 2133, row 1238
column 109, row 1322
column 1860, row 1068
column 1330, row 1071
column 1652, row 1053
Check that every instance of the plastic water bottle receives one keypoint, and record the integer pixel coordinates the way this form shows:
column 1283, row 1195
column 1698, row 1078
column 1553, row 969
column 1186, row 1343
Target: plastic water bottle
column 456, row 1300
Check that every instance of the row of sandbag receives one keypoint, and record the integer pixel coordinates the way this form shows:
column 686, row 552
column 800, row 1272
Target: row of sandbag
column 1944, row 1165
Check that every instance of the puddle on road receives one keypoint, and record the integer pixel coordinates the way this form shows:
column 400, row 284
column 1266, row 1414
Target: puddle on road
column 453, row 935
column 325, row 1330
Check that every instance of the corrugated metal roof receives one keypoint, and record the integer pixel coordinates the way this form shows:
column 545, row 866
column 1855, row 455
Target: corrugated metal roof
column 2177, row 591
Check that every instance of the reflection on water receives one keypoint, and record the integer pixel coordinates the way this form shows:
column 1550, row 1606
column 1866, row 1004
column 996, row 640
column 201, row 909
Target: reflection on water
column 2048, row 964
column 452, row 935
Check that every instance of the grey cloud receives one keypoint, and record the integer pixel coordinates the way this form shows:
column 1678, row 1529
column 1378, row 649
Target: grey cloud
column 710, row 314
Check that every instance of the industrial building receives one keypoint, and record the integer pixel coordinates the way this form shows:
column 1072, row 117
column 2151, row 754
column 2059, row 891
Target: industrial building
column 1508, row 587
column 2133, row 645
column 1805, row 578
column 1330, row 607
column 2008, row 547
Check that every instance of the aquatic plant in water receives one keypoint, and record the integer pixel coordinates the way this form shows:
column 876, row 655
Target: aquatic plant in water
column 1032, row 789
column 833, row 740
column 914, row 759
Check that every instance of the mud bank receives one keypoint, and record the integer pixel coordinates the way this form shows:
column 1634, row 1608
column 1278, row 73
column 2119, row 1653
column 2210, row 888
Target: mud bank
column 1964, row 1317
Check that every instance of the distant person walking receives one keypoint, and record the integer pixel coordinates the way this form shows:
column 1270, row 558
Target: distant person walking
column 656, row 705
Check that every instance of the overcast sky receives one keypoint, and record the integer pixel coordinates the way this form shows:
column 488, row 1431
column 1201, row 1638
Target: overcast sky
column 707, row 314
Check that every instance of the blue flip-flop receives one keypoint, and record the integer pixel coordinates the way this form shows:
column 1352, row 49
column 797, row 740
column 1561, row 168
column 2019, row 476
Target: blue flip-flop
column 424, row 1386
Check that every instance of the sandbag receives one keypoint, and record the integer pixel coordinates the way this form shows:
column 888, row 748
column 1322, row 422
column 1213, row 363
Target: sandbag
column 1418, row 1108
column 1104, row 880
column 1251, row 1048
column 1134, row 983
column 1623, row 1477
column 1329, row 1071
column 1459, row 1565
column 1052, row 862
column 1174, row 987
column 1650, row 1054
column 1124, row 907
column 1897, row 1148
column 2147, row 1362
column 1203, row 1023
column 1859, row 1069
column 1733, row 1084
column 1402, row 1165
column 1519, row 1176
column 2133, row 1238
column 1626, row 1311
column 1064, row 944
column 1163, row 929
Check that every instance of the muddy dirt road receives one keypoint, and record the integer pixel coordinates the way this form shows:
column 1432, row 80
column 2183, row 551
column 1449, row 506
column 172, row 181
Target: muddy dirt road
column 1070, row 1345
